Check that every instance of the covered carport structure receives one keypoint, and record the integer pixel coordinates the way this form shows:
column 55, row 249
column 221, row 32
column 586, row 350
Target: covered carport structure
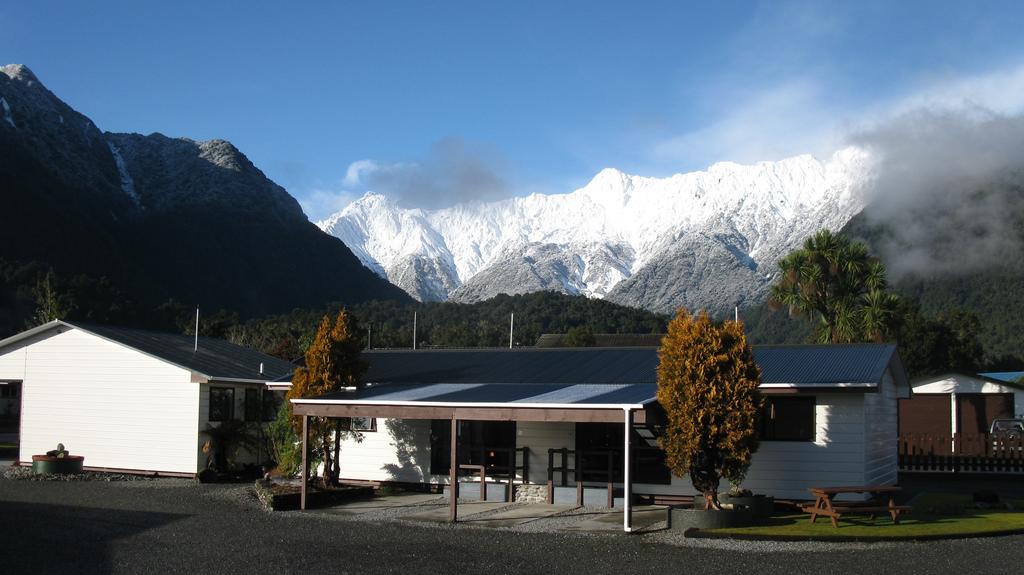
column 496, row 386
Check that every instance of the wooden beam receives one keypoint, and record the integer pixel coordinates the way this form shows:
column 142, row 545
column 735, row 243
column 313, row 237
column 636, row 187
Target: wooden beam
column 610, row 415
column 453, row 477
column 305, row 462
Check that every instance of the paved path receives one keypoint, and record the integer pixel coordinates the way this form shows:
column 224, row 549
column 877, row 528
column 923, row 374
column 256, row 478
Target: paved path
column 178, row 526
column 644, row 516
column 378, row 504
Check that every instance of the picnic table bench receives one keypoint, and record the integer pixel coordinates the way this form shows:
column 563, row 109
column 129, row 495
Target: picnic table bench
column 825, row 506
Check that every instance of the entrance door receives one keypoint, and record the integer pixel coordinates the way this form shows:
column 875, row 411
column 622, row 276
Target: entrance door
column 927, row 414
column 975, row 411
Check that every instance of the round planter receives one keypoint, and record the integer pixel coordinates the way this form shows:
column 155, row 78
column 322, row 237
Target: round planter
column 684, row 518
column 762, row 506
column 57, row 465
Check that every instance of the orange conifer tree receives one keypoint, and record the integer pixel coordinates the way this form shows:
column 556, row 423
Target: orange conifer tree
column 332, row 364
column 707, row 384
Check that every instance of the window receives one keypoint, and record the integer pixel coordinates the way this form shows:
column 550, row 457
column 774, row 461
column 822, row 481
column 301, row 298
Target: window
column 271, row 402
column 363, row 424
column 600, row 447
column 788, row 419
column 252, row 404
column 222, row 403
column 490, row 443
column 8, row 390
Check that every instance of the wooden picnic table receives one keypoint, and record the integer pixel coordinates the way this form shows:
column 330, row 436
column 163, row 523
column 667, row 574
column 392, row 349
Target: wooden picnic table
column 825, row 506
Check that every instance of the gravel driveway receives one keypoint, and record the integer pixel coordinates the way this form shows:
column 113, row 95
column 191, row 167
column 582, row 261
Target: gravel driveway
column 179, row 526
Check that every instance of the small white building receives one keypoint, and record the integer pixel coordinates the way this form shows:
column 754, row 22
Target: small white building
column 830, row 418
column 133, row 400
column 959, row 403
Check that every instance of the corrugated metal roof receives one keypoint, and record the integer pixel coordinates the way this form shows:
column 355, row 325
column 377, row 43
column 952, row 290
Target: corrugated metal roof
column 590, row 375
column 215, row 358
column 823, row 365
column 503, row 393
column 801, row 365
column 1007, row 376
column 604, row 340
column 544, row 366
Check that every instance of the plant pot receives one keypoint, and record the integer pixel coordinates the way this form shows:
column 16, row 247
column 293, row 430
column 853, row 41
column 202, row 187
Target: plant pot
column 762, row 506
column 47, row 464
column 684, row 518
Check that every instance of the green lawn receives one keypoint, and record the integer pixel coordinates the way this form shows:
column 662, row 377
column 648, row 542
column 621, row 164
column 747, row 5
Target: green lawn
column 934, row 515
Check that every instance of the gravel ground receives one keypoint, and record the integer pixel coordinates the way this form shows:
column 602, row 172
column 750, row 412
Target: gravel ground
column 169, row 526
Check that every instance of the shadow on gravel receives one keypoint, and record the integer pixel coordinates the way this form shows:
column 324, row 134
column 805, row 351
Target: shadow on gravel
column 48, row 538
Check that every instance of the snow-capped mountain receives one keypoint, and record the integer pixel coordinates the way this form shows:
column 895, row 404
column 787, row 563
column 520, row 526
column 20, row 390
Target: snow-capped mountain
column 706, row 239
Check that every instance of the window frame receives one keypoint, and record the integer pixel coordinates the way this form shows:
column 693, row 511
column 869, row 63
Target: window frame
column 767, row 430
column 269, row 406
column 251, row 405
column 369, row 427
column 229, row 392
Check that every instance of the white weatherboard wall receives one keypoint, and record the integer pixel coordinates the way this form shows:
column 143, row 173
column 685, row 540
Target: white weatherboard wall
column 242, row 455
column 881, row 432
column 117, row 407
column 540, row 436
column 398, row 451
column 854, row 444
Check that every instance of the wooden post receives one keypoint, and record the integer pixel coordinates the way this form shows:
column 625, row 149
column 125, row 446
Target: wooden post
column 453, row 475
column 551, row 476
column 305, row 462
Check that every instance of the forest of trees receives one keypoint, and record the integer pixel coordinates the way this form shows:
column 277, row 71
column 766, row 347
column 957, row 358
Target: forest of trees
column 32, row 294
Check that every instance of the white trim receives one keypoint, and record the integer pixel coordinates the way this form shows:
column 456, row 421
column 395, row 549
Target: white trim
column 627, row 486
column 238, row 380
column 815, row 386
column 505, row 405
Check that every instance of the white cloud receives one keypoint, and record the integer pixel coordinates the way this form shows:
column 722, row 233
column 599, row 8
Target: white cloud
column 803, row 115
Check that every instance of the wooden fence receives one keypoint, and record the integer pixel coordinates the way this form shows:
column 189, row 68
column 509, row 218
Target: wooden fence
column 961, row 453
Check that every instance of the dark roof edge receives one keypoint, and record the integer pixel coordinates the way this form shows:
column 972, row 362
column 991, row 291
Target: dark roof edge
column 57, row 323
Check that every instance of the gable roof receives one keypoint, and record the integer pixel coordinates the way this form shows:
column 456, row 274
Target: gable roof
column 589, row 377
column 1011, row 377
column 853, row 365
column 215, row 359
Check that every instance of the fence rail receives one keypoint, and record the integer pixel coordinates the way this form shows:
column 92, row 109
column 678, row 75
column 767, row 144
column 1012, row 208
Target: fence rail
column 961, row 453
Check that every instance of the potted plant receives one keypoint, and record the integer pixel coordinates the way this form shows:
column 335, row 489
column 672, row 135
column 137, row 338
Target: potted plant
column 761, row 506
column 707, row 385
column 57, row 461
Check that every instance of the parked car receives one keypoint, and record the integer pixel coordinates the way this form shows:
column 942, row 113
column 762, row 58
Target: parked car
column 1006, row 428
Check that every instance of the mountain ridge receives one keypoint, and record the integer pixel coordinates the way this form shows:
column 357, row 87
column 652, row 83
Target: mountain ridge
column 593, row 240
column 162, row 218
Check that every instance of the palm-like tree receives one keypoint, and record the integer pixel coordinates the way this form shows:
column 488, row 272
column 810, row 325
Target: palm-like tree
column 838, row 284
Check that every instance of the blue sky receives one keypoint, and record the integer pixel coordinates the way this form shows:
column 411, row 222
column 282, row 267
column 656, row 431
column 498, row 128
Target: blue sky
column 467, row 99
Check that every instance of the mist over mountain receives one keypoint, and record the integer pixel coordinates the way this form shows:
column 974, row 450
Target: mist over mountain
column 162, row 218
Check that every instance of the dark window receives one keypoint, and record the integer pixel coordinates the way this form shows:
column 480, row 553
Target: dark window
column 363, row 423
column 490, row 443
column 600, row 447
column 252, row 404
column 270, row 404
column 9, row 390
column 222, row 403
column 788, row 419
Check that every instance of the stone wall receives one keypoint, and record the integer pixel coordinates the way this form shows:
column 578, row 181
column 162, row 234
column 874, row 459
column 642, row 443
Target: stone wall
column 531, row 493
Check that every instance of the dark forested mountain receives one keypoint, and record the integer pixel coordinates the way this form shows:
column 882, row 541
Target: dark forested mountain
column 157, row 218
column 963, row 251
